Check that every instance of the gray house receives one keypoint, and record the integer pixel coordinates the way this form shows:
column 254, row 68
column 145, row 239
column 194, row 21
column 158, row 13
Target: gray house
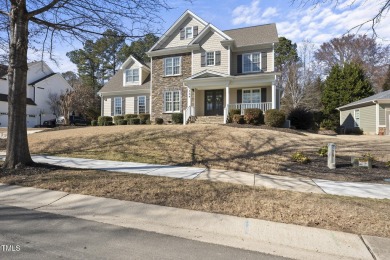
column 371, row 114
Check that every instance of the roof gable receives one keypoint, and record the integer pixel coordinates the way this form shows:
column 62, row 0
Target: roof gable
column 379, row 96
column 177, row 25
column 208, row 74
column 132, row 58
column 207, row 29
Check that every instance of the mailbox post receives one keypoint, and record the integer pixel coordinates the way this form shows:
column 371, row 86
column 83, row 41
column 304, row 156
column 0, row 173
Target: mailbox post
column 332, row 156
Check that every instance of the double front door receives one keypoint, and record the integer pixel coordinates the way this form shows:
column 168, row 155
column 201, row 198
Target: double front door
column 213, row 102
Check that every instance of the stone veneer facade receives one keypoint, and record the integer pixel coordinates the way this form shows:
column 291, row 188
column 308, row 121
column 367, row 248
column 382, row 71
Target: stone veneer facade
column 160, row 83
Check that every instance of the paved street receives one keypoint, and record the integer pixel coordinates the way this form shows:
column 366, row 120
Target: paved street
column 37, row 235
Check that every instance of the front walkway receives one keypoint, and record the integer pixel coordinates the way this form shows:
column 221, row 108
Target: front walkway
column 355, row 189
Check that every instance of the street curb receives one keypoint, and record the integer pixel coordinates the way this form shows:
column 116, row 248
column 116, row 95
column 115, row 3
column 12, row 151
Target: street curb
column 286, row 240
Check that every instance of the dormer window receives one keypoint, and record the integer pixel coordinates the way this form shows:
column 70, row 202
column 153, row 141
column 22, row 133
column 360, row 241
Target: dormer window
column 132, row 76
column 189, row 32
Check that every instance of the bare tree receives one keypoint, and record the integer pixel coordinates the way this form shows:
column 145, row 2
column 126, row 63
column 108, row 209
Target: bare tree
column 54, row 103
column 372, row 56
column 384, row 8
column 47, row 22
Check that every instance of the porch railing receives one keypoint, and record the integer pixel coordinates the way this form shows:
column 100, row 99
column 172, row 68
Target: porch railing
column 187, row 113
column 242, row 106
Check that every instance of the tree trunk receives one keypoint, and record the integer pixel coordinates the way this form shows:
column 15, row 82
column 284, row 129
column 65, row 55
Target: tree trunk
column 17, row 145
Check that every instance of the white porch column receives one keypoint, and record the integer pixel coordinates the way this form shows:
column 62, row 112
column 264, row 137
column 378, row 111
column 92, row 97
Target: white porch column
column 273, row 95
column 188, row 97
column 227, row 97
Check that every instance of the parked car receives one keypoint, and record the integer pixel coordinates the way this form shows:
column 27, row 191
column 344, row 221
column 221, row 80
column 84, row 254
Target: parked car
column 76, row 120
column 60, row 120
column 49, row 123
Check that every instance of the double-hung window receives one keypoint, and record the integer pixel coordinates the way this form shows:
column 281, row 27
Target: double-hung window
column 251, row 96
column 132, row 76
column 141, row 104
column 210, row 58
column 172, row 101
column 189, row 32
column 251, row 62
column 172, row 66
column 357, row 118
column 117, row 106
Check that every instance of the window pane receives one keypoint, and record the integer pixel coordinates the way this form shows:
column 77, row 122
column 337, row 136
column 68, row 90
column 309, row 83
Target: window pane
column 168, row 62
column 247, row 62
column 188, row 32
column 256, row 96
column 256, row 62
column 128, row 75
column 135, row 75
column 118, row 105
column 246, row 96
column 210, row 58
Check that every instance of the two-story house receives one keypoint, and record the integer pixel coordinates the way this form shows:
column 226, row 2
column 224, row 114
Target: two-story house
column 200, row 70
column 42, row 82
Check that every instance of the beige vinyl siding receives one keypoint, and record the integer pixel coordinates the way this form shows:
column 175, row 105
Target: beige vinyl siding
column 144, row 75
column 233, row 96
column 211, row 42
column 199, row 101
column 235, row 54
column 107, row 107
column 129, row 105
column 367, row 119
column 174, row 39
column 382, row 113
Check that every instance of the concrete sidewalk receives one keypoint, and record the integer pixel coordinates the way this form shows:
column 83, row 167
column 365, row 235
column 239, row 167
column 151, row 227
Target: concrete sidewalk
column 280, row 239
column 356, row 189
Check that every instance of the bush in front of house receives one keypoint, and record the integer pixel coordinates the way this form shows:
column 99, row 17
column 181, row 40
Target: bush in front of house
column 94, row 123
column 134, row 121
column 117, row 119
column 159, row 121
column 177, row 118
column 128, row 116
column 144, row 118
column 104, row 120
column 327, row 124
column 231, row 113
column 254, row 116
column 274, row 118
column 238, row 119
column 301, row 118
column 353, row 131
column 122, row 122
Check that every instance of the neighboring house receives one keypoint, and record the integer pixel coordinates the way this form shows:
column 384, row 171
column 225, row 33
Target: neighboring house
column 3, row 69
column 200, row 70
column 128, row 91
column 371, row 114
column 41, row 81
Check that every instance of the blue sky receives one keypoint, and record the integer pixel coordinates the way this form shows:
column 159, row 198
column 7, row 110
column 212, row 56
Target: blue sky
column 316, row 24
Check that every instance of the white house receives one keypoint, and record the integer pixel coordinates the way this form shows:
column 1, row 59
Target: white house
column 41, row 81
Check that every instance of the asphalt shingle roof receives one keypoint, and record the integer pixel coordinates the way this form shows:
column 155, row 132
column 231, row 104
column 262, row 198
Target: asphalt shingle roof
column 116, row 84
column 379, row 96
column 254, row 35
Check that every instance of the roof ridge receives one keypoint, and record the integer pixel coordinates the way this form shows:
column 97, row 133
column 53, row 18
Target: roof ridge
column 249, row 27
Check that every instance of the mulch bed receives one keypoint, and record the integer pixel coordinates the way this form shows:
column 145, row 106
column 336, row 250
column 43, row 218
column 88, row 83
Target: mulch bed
column 344, row 171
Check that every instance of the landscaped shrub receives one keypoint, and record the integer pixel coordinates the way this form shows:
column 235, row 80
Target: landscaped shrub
column 128, row 116
column 159, row 120
column 353, row 131
column 254, row 116
column 117, row 119
column 177, row 118
column 94, row 123
column 143, row 118
column 238, row 119
column 299, row 157
column 134, row 121
column 318, row 116
column 231, row 113
column 122, row 122
column 301, row 118
column 388, row 164
column 327, row 124
column 274, row 118
column 104, row 120
column 323, row 151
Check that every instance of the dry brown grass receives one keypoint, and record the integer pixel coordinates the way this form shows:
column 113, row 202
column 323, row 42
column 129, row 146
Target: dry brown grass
column 354, row 215
column 213, row 146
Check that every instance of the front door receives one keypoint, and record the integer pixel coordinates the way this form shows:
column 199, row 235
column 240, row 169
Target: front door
column 213, row 102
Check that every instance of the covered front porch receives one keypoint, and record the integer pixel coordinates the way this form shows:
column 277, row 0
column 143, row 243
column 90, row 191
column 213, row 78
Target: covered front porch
column 216, row 96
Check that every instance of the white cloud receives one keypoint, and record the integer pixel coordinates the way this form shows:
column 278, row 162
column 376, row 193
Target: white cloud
column 252, row 14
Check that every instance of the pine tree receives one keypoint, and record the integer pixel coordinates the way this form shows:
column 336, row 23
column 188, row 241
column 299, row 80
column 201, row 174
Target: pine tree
column 344, row 85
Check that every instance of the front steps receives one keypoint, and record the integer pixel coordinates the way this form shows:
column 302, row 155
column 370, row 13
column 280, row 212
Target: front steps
column 208, row 120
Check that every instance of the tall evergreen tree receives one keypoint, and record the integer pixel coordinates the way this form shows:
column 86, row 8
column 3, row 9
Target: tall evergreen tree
column 138, row 48
column 344, row 85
